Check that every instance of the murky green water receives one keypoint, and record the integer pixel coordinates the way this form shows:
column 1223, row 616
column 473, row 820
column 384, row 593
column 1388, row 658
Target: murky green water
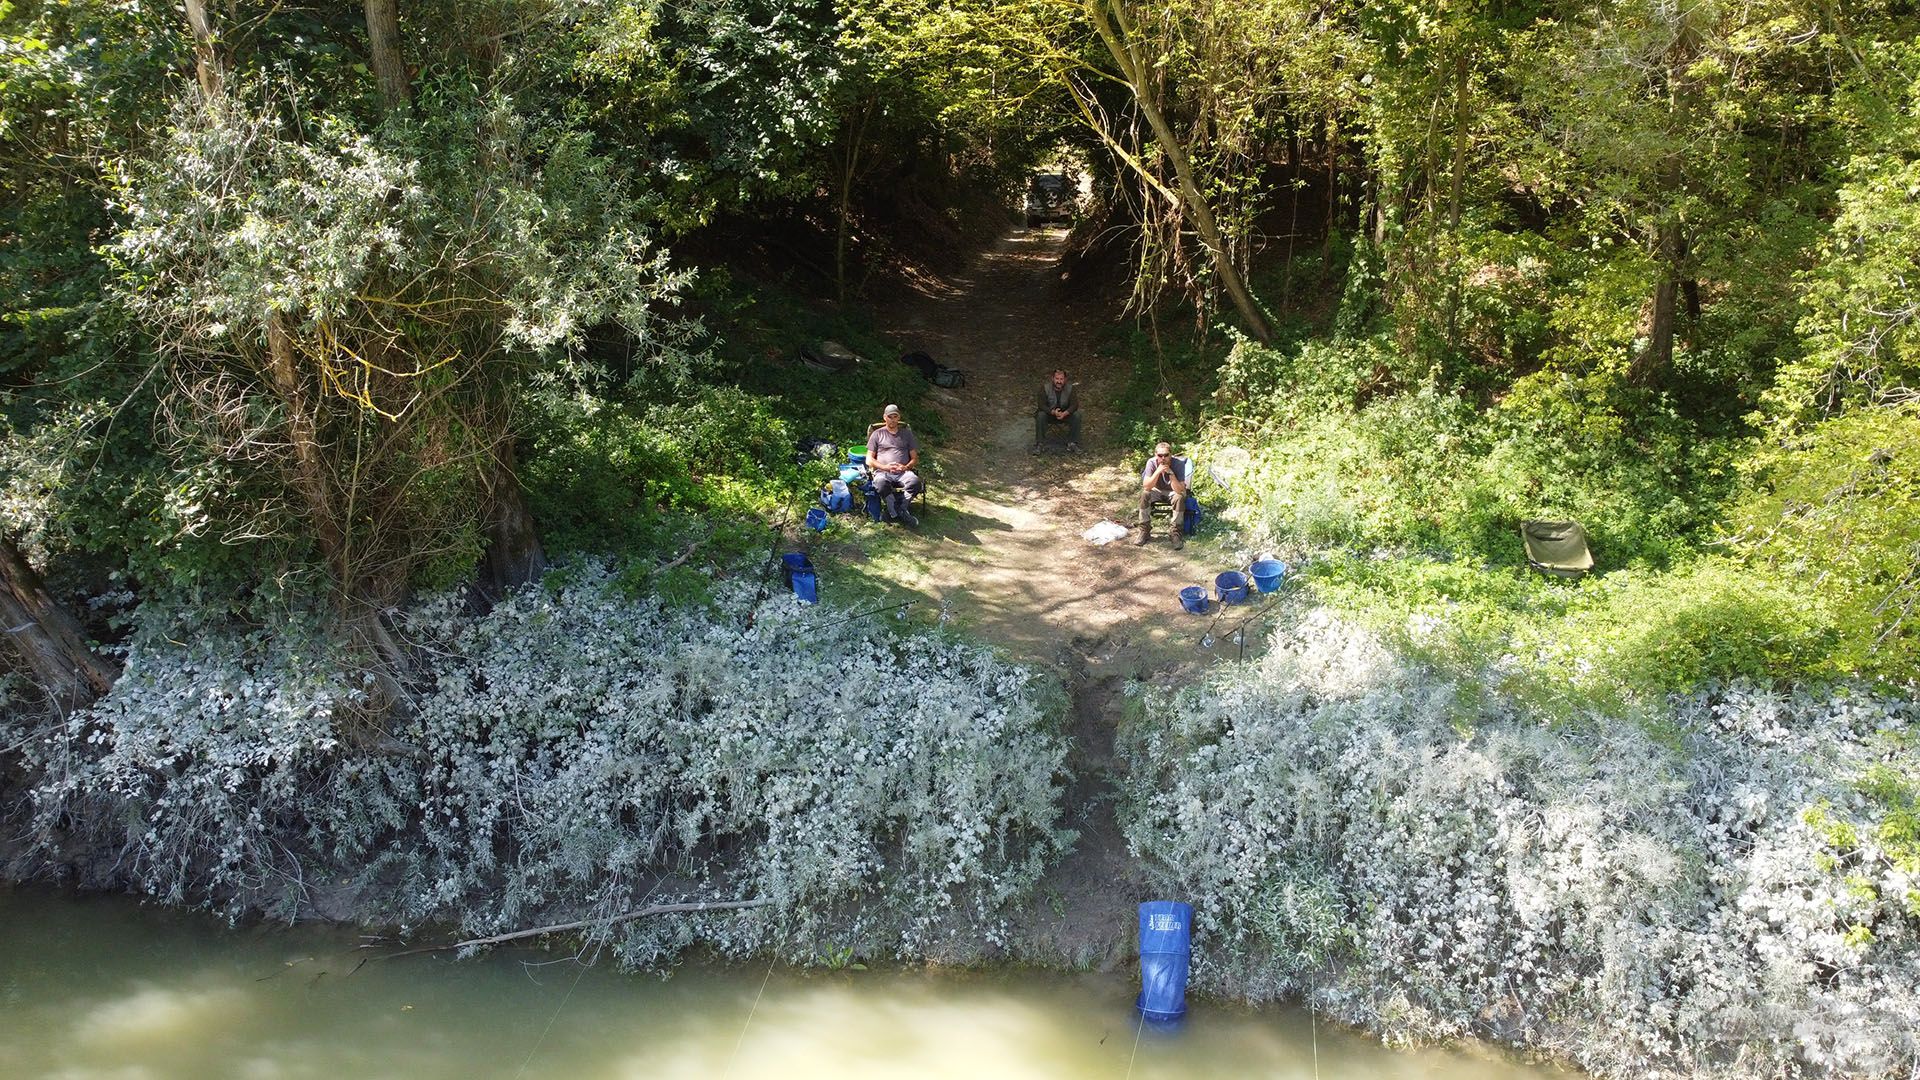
column 100, row 987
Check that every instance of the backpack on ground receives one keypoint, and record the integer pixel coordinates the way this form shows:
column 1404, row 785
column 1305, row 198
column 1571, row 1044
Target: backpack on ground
column 948, row 377
column 921, row 363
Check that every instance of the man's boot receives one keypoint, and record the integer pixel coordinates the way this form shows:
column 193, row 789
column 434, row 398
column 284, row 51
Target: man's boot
column 1179, row 534
column 1146, row 534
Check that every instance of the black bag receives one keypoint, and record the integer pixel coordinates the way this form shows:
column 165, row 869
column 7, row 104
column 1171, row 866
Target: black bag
column 921, row 363
column 812, row 449
column 949, row 377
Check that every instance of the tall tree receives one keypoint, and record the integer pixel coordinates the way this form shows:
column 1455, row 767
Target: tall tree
column 383, row 51
column 206, row 44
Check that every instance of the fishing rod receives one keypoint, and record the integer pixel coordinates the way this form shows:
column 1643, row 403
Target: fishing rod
column 773, row 556
column 901, row 606
column 1238, row 632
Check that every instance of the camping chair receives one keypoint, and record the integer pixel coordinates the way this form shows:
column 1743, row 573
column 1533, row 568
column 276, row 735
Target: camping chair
column 922, row 499
column 1558, row 548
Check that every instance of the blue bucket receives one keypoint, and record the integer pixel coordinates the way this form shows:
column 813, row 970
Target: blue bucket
column 1267, row 574
column 792, row 561
column 1194, row 599
column 1231, row 587
column 817, row 519
column 857, row 457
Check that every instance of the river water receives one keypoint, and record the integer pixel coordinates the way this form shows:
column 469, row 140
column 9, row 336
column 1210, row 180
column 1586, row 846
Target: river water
column 99, row 987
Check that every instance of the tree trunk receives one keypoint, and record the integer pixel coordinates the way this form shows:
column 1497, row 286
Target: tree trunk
column 310, row 472
column 514, row 555
column 206, row 58
column 1333, row 187
column 1653, row 361
column 48, row 639
column 849, row 170
column 1459, row 140
column 383, row 50
column 1110, row 22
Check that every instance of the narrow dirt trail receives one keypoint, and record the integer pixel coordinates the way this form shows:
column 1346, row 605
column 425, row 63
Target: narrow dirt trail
column 1001, row 552
column 1002, row 547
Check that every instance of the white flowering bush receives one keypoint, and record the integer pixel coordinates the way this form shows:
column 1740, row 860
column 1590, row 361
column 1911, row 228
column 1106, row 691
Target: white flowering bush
column 1725, row 888
column 580, row 751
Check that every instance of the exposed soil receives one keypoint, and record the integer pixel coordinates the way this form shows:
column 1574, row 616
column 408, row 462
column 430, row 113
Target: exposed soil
column 1000, row 550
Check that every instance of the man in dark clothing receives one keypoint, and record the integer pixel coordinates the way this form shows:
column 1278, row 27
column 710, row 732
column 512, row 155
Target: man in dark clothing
column 1164, row 480
column 892, row 452
column 1058, row 403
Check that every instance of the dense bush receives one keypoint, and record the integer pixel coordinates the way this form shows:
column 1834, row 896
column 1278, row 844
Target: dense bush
column 1345, row 456
column 578, row 751
column 1838, row 506
column 1730, row 891
column 1431, row 490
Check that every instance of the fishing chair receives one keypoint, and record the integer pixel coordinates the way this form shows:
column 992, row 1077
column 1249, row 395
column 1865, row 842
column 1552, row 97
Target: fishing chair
column 1557, row 548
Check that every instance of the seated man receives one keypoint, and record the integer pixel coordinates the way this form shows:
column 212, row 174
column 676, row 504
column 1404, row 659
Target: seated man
column 1164, row 480
column 892, row 452
column 1060, row 403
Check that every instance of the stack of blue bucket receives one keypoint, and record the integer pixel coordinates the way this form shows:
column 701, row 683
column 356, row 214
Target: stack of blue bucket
column 800, row 576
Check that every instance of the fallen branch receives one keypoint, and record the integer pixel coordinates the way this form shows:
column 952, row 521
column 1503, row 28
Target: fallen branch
column 684, row 556
column 585, row 924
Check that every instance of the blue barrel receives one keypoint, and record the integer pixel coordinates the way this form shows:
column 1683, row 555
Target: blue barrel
column 1166, row 945
column 1267, row 574
column 1231, row 587
column 1194, row 599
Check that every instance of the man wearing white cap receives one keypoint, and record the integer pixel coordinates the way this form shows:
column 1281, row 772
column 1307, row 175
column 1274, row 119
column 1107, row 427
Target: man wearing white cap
column 892, row 452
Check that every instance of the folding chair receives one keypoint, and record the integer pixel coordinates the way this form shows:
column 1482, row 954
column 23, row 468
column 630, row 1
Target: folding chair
column 1558, row 548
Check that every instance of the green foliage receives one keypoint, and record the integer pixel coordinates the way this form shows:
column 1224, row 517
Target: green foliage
column 724, row 102
column 1838, row 506
column 1712, row 619
column 1862, row 322
column 639, row 479
column 1601, row 646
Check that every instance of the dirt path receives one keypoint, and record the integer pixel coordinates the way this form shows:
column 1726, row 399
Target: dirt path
column 1001, row 553
column 1001, row 548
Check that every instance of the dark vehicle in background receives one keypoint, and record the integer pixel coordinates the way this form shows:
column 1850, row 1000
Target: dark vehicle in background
column 1050, row 197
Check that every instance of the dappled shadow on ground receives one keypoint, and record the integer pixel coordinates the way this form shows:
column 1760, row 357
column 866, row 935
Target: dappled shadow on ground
column 1001, row 552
